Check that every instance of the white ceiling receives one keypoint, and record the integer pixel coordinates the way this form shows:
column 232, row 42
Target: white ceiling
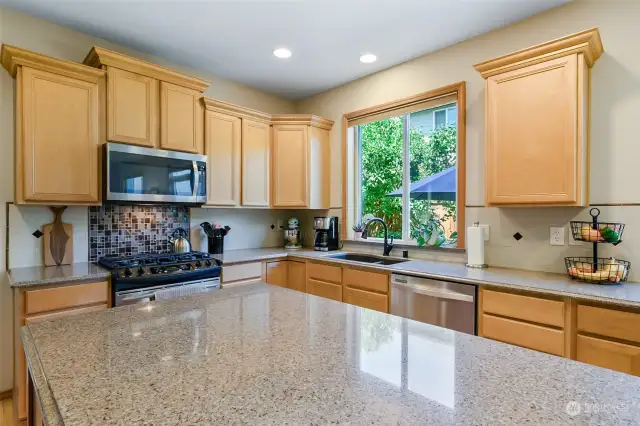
column 235, row 38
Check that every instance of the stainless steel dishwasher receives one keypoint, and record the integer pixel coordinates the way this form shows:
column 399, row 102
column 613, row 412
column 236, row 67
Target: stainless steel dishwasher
column 442, row 303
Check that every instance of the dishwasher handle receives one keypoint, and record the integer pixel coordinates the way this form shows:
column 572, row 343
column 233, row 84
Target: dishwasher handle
column 433, row 292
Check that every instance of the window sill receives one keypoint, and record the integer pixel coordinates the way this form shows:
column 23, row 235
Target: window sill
column 405, row 244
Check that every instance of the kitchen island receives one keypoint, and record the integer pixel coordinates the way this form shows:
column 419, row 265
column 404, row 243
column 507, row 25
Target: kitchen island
column 260, row 354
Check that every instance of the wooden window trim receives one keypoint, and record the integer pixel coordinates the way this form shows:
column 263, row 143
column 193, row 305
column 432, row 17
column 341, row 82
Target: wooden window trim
column 459, row 89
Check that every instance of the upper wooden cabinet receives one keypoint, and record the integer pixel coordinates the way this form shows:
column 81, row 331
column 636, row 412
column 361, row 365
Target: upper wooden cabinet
column 132, row 108
column 59, row 128
column 223, row 148
column 256, row 159
column 536, row 123
column 300, row 162
column 180, row 118
column 149, row 105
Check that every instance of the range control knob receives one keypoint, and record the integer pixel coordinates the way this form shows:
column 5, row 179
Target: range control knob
column 154, row 270
column 198, row 264
column 127, row 272
column 140, row 271
column 207, row 262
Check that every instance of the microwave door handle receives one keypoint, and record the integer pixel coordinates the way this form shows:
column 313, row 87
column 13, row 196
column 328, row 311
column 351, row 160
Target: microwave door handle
column 196, row 178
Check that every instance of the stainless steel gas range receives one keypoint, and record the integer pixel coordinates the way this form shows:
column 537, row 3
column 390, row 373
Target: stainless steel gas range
column 144, row 278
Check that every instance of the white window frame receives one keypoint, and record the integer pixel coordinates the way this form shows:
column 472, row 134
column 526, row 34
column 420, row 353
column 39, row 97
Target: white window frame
column 447, row 111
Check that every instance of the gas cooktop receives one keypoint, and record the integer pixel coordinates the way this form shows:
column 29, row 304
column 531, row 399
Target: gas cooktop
column 158, row 264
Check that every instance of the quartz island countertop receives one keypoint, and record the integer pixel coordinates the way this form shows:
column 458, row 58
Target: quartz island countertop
column 260, row 354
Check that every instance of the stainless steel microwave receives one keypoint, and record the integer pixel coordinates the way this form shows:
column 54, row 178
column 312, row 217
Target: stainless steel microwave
column 147, row 175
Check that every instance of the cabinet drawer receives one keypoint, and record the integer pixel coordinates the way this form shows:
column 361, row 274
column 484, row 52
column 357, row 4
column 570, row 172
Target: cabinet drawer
column 366, row 280
column 606, row 354
column 242, row 272
column 67, row 313
column 325, row 273
column 323, row 289
column 609, row 322
column 530, row 336
column 366, row 299
column 277, row 273
column 526, row 308
column 52, row 299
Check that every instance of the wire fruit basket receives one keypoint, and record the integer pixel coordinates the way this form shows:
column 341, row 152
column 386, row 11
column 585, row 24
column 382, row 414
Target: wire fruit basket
column 596, row 269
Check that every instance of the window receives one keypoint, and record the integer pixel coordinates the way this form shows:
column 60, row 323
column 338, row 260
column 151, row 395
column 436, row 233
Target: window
column 405, row 171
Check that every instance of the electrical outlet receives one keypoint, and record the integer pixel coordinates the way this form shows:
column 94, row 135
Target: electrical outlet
column 556, row 235
column 486, row 229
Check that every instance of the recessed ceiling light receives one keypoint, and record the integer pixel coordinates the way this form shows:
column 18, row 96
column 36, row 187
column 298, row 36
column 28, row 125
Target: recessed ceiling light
column 368, row 58
column 282, row 53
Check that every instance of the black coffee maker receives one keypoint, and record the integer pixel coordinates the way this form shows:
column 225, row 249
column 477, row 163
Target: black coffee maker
column 327, row 236
column 215, row 237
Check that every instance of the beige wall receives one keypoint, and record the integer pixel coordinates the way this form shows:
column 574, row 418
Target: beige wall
column 44, row 37
column 615, row 111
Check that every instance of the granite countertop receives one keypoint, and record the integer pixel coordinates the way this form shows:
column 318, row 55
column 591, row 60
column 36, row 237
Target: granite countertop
column 626, row 294
column 44, row 275
column 260, row 354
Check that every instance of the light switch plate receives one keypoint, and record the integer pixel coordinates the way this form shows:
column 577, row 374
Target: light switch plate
column 280, row 226
column 486, row 229
column 556, row 235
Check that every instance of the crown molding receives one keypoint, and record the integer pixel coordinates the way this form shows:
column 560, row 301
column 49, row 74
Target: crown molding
column 586, row 42
column 302, row 119
column 236, row 110
column 99, row 57
column 12, row 57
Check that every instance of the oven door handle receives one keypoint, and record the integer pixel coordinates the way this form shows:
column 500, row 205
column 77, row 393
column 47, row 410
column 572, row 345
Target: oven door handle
column 196, row 178
column 451, row 295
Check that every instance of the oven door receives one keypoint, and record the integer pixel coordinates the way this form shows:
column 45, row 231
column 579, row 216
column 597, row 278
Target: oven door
column 148, row 294
column 136, row 174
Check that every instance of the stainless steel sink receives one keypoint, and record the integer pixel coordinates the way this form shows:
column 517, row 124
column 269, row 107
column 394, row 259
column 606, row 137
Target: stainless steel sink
column 367, row 258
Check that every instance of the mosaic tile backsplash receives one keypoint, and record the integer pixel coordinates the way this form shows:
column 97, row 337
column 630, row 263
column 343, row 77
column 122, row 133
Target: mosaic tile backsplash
column 125, row 230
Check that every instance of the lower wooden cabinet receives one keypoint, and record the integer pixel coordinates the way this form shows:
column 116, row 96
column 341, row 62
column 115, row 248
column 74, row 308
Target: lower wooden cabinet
column 366, row 299
column 608, row 354
column 598, row 335
column 277, row 273
column 44, row 304
column 324, row 289
column 296, row 279
column 531, row 336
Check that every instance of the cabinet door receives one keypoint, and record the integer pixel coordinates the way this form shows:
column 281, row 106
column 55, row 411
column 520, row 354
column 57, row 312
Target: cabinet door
column 60, row 137
column 324, row 289
column 180, row 118
column 531, row 134
column 132, row 108
column 603, row 353
column 290, row 166
column 297, row 276
column 222, row 147
column 366, row 299
column 277, row 273
column 255, row 163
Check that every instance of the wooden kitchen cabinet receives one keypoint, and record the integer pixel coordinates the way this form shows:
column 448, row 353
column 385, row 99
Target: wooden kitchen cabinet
column 296, row 279
column 132, row 108
column 277, row 273
column 366, row 299
column 223, row 146
column 300, row 163
column 149, row 105
column 59, row 112
column 609, row 354
column 32, row 305
column 536, row 123
column 256, row 160
column 181, row 115
column 324, row 289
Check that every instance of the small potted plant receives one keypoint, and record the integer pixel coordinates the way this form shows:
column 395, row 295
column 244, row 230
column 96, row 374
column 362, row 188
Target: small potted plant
column 357, row 229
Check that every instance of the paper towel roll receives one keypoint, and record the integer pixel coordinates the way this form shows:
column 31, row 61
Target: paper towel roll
column 475, row 246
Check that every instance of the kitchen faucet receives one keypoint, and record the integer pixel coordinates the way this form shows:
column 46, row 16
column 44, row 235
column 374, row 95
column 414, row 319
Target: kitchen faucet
column 387, row 246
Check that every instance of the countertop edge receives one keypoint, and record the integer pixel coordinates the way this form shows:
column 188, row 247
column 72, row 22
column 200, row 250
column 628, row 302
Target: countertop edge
column 48, row 405
column 453, row 278
column 99, row 274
